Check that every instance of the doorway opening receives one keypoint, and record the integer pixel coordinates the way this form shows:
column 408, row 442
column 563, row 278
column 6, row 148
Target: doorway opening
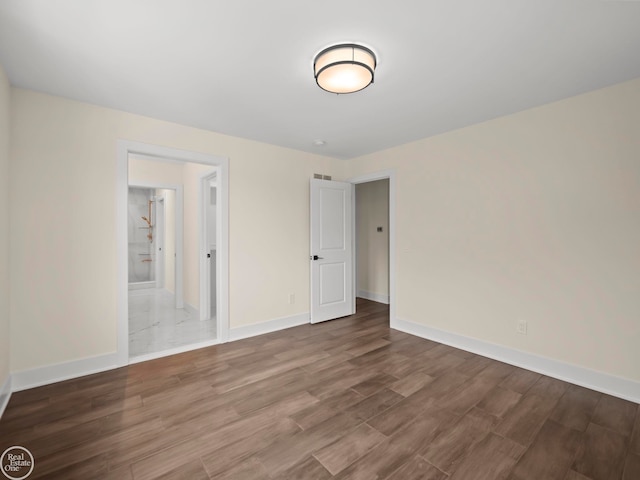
column 374, row 239
column 161, row 314
column 334, row 250
column 158, row 319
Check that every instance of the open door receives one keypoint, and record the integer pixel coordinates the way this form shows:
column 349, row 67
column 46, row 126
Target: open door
column 331, row 250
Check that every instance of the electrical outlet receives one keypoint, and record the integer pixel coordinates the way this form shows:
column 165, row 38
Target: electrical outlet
column 521, row 327
column 292, row 298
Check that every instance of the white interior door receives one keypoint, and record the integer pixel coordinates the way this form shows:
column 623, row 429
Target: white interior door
column 331, row 250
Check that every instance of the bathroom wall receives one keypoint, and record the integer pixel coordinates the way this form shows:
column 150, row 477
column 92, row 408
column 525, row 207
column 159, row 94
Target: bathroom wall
column 143, row 170
column 142, row 259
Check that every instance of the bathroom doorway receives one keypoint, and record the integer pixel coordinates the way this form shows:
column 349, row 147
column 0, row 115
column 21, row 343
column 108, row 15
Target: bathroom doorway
column 163, row 272
column 155, row 232
column 150, row 260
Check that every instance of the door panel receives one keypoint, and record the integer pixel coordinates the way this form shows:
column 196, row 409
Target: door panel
column 332, row 283
column 331, row 250
column 332, row 208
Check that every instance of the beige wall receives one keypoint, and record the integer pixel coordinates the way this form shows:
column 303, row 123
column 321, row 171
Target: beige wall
column 532, row 216
column 372, row 211
column 4, row 231
column 63, row 261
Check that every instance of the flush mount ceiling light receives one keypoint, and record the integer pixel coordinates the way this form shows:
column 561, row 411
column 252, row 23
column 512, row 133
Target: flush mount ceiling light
column 344, row 68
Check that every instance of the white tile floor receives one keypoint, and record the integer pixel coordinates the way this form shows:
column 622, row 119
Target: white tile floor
column 156, row 325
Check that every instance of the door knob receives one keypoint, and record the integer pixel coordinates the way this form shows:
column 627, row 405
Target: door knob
column 315, row 257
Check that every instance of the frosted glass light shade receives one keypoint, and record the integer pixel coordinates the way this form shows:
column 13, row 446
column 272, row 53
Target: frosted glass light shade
column 344, row 68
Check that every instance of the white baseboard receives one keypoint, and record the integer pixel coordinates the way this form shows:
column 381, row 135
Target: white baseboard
column 247, row 331
column 5, row 395
column 599, row 381
column 63, row 371
column 172, row 351
column 192, row 310
column 37, row 377
column 142, row 285
column 374, row 297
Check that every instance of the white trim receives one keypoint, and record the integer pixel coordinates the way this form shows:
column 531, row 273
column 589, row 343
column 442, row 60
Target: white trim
column 599, row 381
column 274, row 325
column 191, row 310
column 5, row 395
column 63, row 371
column 374, row 297
column 371, row 177
column 126, row 147
column 172, row 351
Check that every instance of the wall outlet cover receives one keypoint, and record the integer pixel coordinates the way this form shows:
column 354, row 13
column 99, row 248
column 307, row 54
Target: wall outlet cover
column 521, row 327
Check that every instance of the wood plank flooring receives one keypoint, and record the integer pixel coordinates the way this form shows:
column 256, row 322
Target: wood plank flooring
column 347, row 399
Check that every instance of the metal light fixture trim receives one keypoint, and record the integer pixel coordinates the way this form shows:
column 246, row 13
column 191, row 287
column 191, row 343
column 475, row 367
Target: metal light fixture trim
column 344, row 68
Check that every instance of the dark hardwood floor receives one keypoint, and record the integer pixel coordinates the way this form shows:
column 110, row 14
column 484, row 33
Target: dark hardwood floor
column 347, row 399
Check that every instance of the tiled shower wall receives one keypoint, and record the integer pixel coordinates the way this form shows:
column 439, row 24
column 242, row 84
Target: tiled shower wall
column 141, row 260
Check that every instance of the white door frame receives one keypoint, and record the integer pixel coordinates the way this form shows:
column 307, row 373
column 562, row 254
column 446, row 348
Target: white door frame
column 204, row 199
column 124, row 149
column 372, row 177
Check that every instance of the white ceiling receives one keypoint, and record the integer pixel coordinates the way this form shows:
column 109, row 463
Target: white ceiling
column 244, row 68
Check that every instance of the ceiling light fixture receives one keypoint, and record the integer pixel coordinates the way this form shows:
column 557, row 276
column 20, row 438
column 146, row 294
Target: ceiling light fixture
column 344, row 68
